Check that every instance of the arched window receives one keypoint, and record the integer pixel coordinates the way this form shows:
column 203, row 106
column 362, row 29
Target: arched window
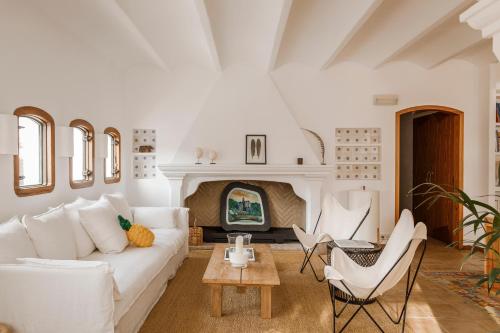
column 81, row 165
column 112, row 163
column 34, row 166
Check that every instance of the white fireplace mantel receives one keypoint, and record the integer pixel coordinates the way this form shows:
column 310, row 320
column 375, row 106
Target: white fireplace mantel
column 307, row 180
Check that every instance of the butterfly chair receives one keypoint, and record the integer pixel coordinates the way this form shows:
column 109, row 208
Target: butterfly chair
column 334, row 222
column 365, row 283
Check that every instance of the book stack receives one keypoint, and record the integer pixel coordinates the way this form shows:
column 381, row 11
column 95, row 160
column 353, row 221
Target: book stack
column 497, row 136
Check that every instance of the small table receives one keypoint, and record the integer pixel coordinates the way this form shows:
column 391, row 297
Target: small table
column 261, row 273
column 361, row 256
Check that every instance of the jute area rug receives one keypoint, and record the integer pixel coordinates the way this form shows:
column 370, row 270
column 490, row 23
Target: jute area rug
column 299, row 304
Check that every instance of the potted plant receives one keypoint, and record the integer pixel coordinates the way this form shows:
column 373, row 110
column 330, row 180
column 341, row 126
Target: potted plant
column 481, row 217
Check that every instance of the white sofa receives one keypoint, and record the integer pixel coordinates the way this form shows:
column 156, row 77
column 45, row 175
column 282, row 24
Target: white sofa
column 101, row 293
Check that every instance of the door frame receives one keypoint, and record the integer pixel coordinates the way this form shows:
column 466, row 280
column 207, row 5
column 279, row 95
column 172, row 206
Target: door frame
column 457, row 237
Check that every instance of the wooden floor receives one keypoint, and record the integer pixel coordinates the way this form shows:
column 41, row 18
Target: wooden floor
column 433, row 308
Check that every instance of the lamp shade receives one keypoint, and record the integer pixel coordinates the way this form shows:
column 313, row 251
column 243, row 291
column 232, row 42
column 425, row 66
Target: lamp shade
column 101, row 146
column 64, row 141
column 8, row 135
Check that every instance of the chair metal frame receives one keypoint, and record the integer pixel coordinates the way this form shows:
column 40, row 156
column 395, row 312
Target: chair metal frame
column 402, row 315
column 308, row 253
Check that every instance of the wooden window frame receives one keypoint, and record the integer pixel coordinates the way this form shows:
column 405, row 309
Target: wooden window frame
column 89, row 155
column 48, row 142
column 115, row 134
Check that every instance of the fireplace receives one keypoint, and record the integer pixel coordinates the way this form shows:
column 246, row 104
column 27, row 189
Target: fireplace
column 266, row 209
column 306, row 181
column 244, row 207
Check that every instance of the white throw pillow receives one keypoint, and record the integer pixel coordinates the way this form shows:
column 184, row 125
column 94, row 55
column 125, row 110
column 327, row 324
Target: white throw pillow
column 14, row 242
column 50, row 263
column 156, row 217
column 51, row 234
column 84, row 244
column 120, row 204
column 101, row 222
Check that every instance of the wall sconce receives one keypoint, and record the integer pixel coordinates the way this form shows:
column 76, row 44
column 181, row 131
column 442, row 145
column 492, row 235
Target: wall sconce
column 8, row 135
column 101, row 146
column 64, row 141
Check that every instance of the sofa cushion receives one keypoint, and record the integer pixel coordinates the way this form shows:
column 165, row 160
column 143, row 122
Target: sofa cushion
column 135, row 268
column 155, row 217
column 84, row 244
column 14, row 242
column 68, row 264
column 51, row 234
column 100, row 220
column 120, row 204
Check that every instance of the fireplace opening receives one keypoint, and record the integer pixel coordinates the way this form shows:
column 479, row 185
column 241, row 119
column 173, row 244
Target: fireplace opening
column 266, row 209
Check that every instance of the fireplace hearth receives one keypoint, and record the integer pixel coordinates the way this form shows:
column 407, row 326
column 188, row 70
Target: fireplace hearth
column 273, row 235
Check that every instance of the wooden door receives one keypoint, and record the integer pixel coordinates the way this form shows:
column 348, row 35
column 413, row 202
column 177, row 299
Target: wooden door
column 435, row 154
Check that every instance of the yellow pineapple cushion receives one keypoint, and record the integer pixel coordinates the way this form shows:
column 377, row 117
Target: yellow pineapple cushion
column 138, row 235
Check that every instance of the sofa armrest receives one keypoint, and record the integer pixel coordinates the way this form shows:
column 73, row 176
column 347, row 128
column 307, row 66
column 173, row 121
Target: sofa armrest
column 162, row 217
column 57, row 299
column 182, row 220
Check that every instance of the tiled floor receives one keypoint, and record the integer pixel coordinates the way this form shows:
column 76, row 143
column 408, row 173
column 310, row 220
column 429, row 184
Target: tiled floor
column 433, row 308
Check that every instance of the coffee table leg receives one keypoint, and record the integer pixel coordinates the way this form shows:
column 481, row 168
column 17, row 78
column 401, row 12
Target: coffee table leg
column 216, row 310
column 265, row 302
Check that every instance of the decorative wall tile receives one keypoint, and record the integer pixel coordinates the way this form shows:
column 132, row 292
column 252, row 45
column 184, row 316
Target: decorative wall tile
column 144, row 141
column 357, row 154
column 358, row 171
column 144, row 166
column 358, row 136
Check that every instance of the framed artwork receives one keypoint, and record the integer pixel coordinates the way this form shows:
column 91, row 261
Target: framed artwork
column 256, row 149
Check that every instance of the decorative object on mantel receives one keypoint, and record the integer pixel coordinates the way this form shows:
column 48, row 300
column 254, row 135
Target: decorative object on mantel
column 198, row 153
column 212, row 156
column 195, row 234
column 144, row 141
column 256, row 149
column 321, row 144
column 144, row 166
column 300, row 161
column 358, row 153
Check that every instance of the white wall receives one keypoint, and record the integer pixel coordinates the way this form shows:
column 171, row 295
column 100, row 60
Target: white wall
column 319, row 100
column 41, row 65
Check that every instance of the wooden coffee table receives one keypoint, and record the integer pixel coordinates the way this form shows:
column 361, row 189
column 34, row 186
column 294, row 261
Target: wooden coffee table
column 260, row 273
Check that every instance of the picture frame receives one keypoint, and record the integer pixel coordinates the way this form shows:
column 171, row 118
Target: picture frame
column 256, row 149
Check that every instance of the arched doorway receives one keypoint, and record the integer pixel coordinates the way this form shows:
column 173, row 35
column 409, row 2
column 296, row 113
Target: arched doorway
column 429, row 148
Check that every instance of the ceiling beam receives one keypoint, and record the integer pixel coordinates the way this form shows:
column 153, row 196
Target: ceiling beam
column 143, row 43
column 361, row 16
column 454, row 47
column 454, row 8
column 207, row 30
column 278, row 36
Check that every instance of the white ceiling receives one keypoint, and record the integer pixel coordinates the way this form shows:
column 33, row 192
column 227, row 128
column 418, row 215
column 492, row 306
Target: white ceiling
column 267, row 34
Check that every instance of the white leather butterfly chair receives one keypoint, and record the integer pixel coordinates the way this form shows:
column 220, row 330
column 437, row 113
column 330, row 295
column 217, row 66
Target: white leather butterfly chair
column 369, row 282
column 334, row 222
